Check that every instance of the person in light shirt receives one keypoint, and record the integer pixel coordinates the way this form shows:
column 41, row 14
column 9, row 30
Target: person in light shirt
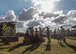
column 63, row 34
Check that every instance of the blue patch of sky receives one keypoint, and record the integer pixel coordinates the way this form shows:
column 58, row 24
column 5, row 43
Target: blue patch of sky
column 66, row 5
column 15, row 5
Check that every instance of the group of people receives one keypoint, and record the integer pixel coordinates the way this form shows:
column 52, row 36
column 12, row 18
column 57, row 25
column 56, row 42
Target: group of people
column 37, row 34
column 60, row 34
column 34, row 34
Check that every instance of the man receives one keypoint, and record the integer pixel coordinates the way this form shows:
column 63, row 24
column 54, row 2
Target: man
column 63, row 34
column 48, row 34
column 37, row 35
column 55, row 34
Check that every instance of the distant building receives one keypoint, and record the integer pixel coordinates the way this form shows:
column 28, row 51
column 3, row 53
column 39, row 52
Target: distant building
column 7, row 29
column 73, row 30
column 74, row 27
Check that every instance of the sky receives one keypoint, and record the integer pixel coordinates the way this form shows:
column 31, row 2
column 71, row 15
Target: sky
column 52, row 13
column 17, row 5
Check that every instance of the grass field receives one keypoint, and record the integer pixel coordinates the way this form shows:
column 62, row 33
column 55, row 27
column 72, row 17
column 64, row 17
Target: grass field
column 45, row 48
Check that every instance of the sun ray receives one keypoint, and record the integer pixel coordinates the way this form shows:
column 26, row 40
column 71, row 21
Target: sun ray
column 45, row 5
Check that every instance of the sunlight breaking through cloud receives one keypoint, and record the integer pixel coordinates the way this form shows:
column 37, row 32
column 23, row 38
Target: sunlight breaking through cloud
column 45, row 5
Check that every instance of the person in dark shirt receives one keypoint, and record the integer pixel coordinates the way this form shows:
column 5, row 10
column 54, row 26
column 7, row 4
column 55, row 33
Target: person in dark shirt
column 37, row 35
column 55, row 35
column 48, row 34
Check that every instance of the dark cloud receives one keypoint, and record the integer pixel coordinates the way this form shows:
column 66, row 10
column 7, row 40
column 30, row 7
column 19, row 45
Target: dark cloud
column 20, row 24
column 48, row 15
column 60, row 19
column 27, row 14
column 34, row 23
column 52, row 14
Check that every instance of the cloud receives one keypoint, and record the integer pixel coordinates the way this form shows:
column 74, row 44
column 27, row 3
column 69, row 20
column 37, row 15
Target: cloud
column 60, row 19
column 27, row 14
column 40, row 22
column 72, row 14
column 20, row 24
column 44, row 5
column 30, row 17
column 53, row 20
column 21, row 30
column 51, row 14
column 33, row 23
column 10, row 16
column 71, row 17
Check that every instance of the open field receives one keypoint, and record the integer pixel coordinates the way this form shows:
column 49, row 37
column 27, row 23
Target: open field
column 45, row 48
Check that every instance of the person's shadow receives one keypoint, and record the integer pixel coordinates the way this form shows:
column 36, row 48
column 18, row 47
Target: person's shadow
column 48, row 46
column 72, row 38
column 61, row 44
column 2, row 44
column 71, row 46
column 1, row 48
column 4, row 48
column 17, row 46
column 32, row 48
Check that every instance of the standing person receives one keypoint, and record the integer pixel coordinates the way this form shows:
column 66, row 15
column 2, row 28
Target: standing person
column 55, row 33
column 41, row 35
column 68, row 33
column 32, row 37
column 63, row 34
column 26, row 38
column 59, row 36
column 37, row 35
column 51, row 33
column 48, row 34
column 31, row 31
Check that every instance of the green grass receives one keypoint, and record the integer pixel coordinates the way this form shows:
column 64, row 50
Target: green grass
column 53, row 48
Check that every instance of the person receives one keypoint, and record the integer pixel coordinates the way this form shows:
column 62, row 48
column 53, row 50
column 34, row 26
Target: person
column 29, row 35
column 63, row 34
column 31, row 31
column 40, row 32
column 68, row 33
column 54, row 34
column 58, row 36
column 41, row 35
column 51, row 33
column 27, row 32
column 48, row 34
column 26, row 38
column 32, row 37
column 37, row 35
